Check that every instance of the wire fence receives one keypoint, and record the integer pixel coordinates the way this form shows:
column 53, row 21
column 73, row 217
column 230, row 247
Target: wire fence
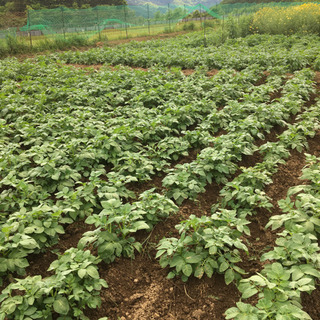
column 102, row 22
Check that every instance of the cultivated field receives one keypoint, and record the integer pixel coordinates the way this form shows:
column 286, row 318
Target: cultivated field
column 162, row 180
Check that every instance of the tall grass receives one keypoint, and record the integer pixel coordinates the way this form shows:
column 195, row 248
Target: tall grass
column 237, row 27
column 13, row 45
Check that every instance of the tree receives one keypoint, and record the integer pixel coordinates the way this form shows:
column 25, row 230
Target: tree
column 17, row 5
column 21, row 5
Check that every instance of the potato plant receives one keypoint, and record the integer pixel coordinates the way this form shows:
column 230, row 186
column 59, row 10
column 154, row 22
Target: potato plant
column 74, row 285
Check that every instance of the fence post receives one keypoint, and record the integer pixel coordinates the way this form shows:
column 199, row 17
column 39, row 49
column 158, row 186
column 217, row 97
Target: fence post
column 63, row 24
column 125, row 20
column 148, row 18
column 204, row 30
column 97, row 9
column 169, row 17
column 28, row 24
column 200, row 10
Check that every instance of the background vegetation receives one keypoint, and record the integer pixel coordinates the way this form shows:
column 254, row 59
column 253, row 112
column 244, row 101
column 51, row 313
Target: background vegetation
column 236, row 21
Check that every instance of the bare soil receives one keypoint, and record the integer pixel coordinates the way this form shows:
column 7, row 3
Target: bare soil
column 145, row 38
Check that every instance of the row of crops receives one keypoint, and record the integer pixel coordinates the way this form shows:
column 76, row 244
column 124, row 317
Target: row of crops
column 74, row 142
column 189, row 51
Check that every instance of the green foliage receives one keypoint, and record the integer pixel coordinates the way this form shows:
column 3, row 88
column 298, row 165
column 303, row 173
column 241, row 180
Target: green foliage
column 117, row 222
column 279, row 291
column 66, row 43
column 246, row 190
column 268, row 52
column 244, row 121
column 74, row 285
column 207, row 245
column 91, row 137
column 81, row 283
column 26, row 232
column 237, row 27
column 190, row 26
column 14, row 46
column 294, row 248
column 303, row 214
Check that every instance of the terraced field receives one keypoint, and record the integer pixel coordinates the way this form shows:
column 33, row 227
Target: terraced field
column 162, row 180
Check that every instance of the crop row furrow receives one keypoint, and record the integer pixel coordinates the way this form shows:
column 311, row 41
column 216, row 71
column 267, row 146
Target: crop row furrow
column 69, row 203
column 293, row 265
column 267, row 51
column 209, row 244
column 219, row 161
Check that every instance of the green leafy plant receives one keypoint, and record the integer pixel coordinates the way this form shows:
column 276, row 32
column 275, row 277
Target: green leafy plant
column 75, row 285
column 246, row 190
column 117, row 222
column 26, row 232
column 279, row 291
column 81, row 282
column 207, row 245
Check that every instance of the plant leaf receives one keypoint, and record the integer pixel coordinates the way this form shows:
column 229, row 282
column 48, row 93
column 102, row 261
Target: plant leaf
column 61, row 305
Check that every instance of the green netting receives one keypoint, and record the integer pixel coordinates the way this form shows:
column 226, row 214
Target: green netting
column 92, row 20
column 34, row 27
column 87, row 22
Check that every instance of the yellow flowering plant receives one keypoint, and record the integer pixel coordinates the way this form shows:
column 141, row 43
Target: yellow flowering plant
column 304, row 18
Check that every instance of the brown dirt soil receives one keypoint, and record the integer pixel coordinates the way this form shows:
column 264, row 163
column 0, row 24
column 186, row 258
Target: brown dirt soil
column 112, row 43
column 311, row 303
column 212, row 72
column 188, row 72
column 263, row 79
column 317, row 77
column 39, row 263
column 139, row 290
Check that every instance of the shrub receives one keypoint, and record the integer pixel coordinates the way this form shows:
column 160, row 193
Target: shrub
column 190, row 26
column 14, row 45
